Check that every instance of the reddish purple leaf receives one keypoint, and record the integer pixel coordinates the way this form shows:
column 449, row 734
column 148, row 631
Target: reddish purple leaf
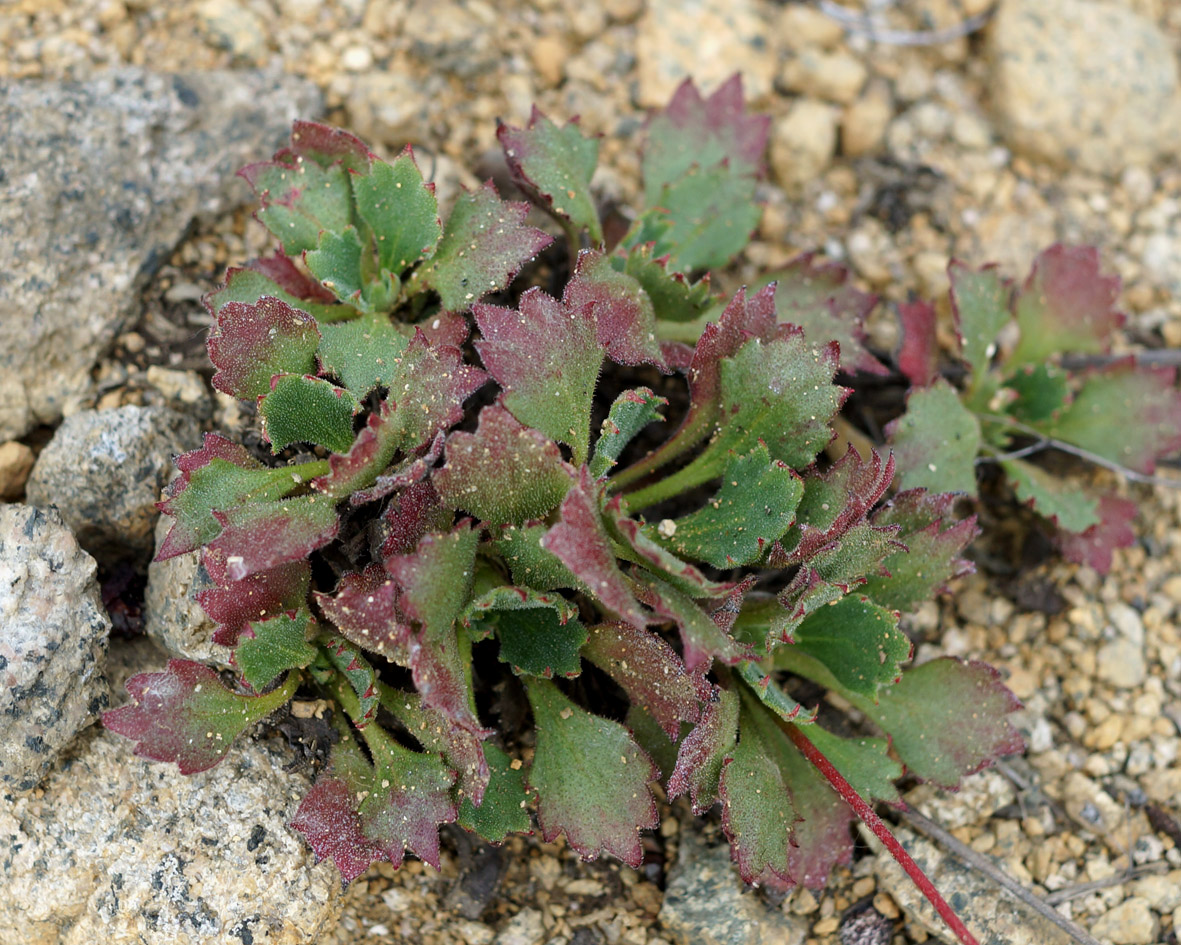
column 264, row 535
column 431, row 385
column 282, row 271
column 703, row 751
column 625, row 321
column 326, row 145
column 364, row 608
column 414, row 512
column 371, row 452
column 234, row 604
column 546, row 358
column 580, row 542
column 918, row 357
column 504, row 473
column 838, row 500
column 1066, row 305
column 649, row 671
column 1097, row 544
column 358, row 813
column 819, row 299
column 702, row 639
column 436, row 581
column 252, row 342
column 406, row 474
column 186, row 715
column 692, row 130
column 219, row 475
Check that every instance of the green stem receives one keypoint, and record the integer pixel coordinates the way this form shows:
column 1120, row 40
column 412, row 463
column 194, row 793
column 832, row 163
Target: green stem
column 688, row 477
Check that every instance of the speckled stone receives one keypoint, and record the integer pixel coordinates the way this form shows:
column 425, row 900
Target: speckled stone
column 708, row 40
column 1084, row 84
column 171, row 616
column 53, row 640
column 101, row 180
column 705, row 903
column 123, row 851
column 995, row 916
column 104, row 470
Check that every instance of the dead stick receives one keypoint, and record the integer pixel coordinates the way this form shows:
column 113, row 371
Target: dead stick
column 996, row 874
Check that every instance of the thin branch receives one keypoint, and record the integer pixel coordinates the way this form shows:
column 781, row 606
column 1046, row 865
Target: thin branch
column 996, row 874
column 870, row 818
column 1073, row 892
column 863, row 24
column 1159, row 357
column 1049, row 441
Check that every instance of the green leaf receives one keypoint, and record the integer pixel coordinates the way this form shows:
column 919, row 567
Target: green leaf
column 947, row 719
column 249, row 286
column 1041, row 391
column 702, row 639
column 484, row 244
column 1056, row 499
column 710, row 215
column 858, row 641
column 539, row 634
column 218, row 476
column 674, row 297
column 303, row 409
column 547, row 359
column 251, row 343
column 279, row 643
column 1065, row 305
column 980, row 307
column 401, row 209
column 363, row 353
column 936, row 441
column 779, row 392
column 933, row 544
column 300, row 200
column 347, row 660
column 336, row 262
column 630, row 413
column 591, row 779
column 692, row 130
column 863, row 762
column 530, row 563
column 504, row 809
column 704, row 750
column 186, row 715
column 504, row 473
column 554, row 167
column 754, row 507
column 1128, row 414
column 757, row 813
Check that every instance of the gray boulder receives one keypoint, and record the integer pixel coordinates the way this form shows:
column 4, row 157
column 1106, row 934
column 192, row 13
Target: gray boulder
column 53, row 641
column 104, row 470
column 99, row 180
column 125, row 851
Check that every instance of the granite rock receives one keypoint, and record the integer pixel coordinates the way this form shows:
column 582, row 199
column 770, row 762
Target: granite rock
column 171, row 616
column 104, row 470
column 16, row 460
column 124, row 851
column 99, row 180
column 53, row 640
column 1084, row 83
column 705, row 902
column 994, row 915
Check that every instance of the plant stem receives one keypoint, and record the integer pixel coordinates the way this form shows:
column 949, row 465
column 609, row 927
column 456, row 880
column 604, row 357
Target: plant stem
column 882, row 832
